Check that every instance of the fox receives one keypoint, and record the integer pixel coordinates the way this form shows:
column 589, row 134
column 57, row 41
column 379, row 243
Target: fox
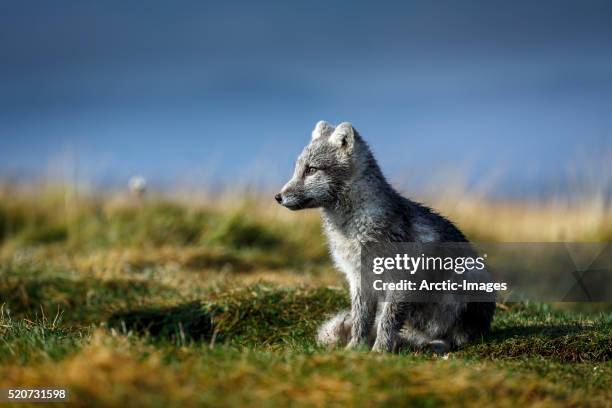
column 338, row 174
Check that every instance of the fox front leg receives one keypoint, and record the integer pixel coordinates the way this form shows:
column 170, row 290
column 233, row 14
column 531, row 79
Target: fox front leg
column 388, row 327
column 363, row 313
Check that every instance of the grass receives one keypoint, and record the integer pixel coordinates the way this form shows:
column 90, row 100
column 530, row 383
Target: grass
column 166, row 303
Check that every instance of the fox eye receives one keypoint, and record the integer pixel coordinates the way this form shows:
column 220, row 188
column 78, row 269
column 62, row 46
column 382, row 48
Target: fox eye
column 309, row 171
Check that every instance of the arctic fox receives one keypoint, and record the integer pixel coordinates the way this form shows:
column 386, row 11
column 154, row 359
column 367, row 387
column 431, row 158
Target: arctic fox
column 337, row 173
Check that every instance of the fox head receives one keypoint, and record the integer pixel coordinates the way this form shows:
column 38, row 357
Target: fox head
column 323, row 169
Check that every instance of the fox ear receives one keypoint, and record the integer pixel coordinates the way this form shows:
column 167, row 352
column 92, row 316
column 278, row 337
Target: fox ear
column 343, row 136
column 322, row 129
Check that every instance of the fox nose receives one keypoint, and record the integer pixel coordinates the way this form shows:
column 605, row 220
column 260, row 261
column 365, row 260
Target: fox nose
column 278, row 198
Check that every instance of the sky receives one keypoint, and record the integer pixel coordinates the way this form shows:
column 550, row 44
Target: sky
column 515, row 94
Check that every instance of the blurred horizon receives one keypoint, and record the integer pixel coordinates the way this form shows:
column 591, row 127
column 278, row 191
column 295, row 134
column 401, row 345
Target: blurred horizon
column 514, row 96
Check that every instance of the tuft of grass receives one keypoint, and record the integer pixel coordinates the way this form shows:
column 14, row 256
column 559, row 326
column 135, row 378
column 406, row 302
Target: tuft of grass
column 589, row 346
column 31, row 294
column 30, row 224
column 239, row 232
column 266, row 316
column 539, row 331
column 24, row 341
column 254, row 316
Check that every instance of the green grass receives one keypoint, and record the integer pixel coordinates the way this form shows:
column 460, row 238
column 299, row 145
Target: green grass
column 163, row 304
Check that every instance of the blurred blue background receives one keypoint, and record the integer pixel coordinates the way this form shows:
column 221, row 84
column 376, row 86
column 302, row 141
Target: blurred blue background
column 200, row 94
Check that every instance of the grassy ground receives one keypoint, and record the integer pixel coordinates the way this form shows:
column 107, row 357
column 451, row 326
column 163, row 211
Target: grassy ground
column 166, row 303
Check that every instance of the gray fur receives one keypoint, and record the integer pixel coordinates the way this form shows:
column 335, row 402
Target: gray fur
column 337, row 173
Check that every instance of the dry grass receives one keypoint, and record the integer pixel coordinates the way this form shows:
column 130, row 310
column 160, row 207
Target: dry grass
column 110, row 371
column 552, row 221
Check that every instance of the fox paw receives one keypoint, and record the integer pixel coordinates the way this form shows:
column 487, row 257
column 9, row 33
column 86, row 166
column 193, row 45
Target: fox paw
column 355, row 345
column 439, row 346
column 378, row 348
